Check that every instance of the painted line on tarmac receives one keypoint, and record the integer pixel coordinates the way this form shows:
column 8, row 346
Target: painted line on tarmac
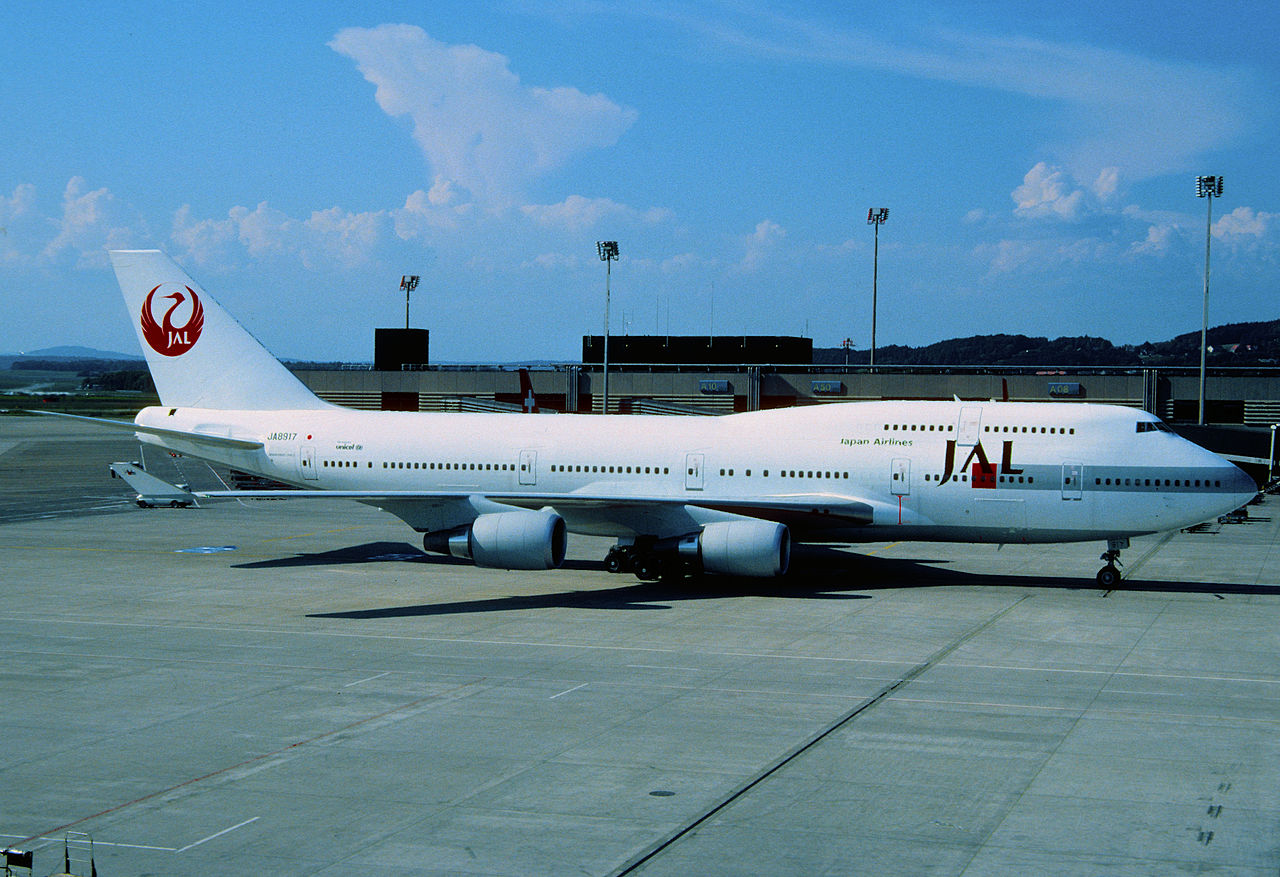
column 885, row 693
column 205, row 840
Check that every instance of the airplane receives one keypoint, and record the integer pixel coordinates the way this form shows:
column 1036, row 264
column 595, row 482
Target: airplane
column 528, row 401
column 680, row 495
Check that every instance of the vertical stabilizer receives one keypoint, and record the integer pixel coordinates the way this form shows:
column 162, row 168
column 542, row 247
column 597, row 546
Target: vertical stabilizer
column 199, row 356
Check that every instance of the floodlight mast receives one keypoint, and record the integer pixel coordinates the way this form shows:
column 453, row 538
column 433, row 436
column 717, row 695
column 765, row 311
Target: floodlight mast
column 1207, row 188
column 875, row 216
column 408, row 282
column 608, row 251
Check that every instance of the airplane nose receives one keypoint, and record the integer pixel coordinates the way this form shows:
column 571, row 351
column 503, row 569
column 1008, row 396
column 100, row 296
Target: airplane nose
column 1240, row 483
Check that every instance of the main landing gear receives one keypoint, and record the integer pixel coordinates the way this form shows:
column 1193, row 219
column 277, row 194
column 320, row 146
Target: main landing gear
column 1109, row 575
column 648, row 563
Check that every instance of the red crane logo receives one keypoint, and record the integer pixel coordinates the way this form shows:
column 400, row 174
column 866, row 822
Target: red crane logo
column 166, row 338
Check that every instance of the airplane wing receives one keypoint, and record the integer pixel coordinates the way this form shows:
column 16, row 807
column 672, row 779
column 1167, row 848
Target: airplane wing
column 651, row 515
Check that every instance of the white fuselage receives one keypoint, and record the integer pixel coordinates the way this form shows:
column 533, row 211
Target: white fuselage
column 865, row 471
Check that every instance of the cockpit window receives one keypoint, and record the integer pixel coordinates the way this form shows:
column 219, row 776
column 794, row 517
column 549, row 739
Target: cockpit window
column 1153, row 426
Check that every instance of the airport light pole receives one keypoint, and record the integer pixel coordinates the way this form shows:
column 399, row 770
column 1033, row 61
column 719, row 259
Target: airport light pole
column 875, row 216
column 608, row 251
column 1207, row 188
column 408, row 282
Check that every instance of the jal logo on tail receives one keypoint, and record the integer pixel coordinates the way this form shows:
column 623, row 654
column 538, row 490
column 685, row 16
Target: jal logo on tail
column 164, row 337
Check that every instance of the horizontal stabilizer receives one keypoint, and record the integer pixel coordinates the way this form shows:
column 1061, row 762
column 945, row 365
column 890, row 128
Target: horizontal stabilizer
column 214, row 441
column 150, row 489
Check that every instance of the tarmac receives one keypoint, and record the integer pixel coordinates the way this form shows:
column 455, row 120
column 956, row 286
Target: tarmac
column 292, row 687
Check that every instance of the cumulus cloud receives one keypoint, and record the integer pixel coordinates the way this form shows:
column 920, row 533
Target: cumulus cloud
column 1046, row 191
column 1011, row 255
column 480, row 127
column 576, row 213
column 1157, row 242
column 760, row 243
column 1243, row 222
column 91, row 222
column 327, row 238
column 18, row 222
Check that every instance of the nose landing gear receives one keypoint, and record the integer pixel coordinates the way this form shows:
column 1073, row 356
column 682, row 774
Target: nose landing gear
column 1109, row 576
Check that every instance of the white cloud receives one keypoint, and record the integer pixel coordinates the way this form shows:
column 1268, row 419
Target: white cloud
column 577, row 213
column 332, row 238
column 574, row 213
column 760, row 243
column 1159, row 239
column 1243, row 222
column 204, row 242
column 91, row 223
column 1013, row 255
column 19, row 222
column 21, row 203
column 557, row 262
column 1047, row 191
column 1107, row 183
column 479, row 126
column 1141, row 115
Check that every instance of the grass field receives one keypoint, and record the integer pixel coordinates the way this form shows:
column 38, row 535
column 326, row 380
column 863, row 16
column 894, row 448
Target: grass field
column 33, row 381
column 93, row 404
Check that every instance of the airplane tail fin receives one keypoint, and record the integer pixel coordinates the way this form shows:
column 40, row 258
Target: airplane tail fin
column 199, row 356
column 527, row 399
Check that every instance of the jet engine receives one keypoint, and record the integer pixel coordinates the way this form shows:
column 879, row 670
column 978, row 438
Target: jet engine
column 505, row 540
column 740, row 548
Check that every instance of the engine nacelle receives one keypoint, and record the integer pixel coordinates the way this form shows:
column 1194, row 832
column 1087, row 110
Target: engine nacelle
column 505, row 540
column 741, row 548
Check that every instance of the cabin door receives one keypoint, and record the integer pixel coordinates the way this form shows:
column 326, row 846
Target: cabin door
column 970, row 426
column 693, row 471
column 307, row 463
column 1072, row 478
column 900, row 477
column 528, row 467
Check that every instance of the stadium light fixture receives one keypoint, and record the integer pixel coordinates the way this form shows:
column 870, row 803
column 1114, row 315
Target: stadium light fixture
column 408, row 282
column 1207, row 188
column 875, row 216
column 608, row 251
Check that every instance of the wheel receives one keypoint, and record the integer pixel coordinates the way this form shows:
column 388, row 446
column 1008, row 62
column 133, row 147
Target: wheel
column 673, row 572
column 1108, row 577
column 613, row 562
column 648, row 569
column 175, row 504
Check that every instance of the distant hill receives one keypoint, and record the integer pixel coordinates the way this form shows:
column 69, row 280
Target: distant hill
column 68, row 358
column 1238, row 344
column 73, row 352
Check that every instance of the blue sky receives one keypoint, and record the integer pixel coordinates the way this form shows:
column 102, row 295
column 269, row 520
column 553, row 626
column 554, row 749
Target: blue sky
column 1038, row 163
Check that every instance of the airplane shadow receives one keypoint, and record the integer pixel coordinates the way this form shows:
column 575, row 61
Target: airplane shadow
column 369, row 552
column 379, row 552
column 817, row 573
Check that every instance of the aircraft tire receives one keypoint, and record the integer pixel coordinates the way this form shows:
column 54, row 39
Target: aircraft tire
column 1108, row 577
column 648, row 569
